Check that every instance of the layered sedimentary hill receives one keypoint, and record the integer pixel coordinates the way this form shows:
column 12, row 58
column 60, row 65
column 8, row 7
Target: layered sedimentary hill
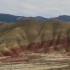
column 31, row 35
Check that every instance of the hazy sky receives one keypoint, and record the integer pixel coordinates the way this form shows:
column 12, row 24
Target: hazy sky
column 45, row 8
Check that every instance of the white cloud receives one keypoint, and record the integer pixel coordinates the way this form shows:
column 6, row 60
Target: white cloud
column 46, row 8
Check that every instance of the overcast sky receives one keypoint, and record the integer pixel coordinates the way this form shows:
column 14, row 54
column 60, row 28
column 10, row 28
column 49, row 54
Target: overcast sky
column 45, row 8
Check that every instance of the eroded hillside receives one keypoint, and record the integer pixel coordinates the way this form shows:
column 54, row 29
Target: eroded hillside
column 31, row 35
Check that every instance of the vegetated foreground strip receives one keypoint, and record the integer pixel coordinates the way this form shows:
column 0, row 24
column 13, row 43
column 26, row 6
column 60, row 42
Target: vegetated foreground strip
column 51, row 63
column 30, row 67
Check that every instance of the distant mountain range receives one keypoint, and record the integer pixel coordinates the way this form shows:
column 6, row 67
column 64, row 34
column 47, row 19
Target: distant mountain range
column 63, row 18
column 8, row 18
column 12, row 18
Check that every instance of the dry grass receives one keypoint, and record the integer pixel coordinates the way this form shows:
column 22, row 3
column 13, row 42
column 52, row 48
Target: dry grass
column 43, row 62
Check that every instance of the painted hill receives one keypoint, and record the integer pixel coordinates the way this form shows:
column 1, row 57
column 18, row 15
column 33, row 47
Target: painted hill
column 30, row 35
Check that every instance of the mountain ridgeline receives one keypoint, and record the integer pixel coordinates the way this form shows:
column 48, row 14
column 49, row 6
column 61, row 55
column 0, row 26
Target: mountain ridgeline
column 7, row 18
column 32, row 35
column 12, row 18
